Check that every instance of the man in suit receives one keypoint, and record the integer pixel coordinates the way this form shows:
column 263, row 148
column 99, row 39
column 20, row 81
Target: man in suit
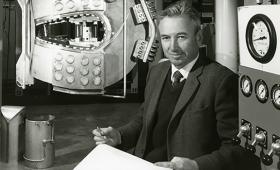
column 190, row 112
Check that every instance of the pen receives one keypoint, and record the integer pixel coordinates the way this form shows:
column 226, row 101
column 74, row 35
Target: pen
column 100, row 131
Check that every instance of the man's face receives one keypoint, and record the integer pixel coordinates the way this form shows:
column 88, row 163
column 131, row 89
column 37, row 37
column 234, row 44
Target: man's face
column 180, row 42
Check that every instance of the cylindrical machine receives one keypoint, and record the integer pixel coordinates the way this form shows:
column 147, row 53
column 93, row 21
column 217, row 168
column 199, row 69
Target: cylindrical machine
column 39, row 141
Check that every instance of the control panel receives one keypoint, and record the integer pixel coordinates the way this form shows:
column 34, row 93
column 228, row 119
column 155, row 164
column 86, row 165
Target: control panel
column 259, row 93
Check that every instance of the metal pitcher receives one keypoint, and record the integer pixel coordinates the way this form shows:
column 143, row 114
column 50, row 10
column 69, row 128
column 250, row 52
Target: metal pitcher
column 39, row 141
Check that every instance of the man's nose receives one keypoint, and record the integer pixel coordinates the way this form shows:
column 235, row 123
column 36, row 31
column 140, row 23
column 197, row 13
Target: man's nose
column 174, row 46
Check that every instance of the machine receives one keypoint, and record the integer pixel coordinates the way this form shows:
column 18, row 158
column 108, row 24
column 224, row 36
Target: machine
column 84, row 46
column 259, row 83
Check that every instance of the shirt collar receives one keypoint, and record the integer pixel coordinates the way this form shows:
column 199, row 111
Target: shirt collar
column 184, row 70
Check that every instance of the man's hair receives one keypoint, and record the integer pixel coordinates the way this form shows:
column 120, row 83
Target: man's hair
column 182, row 7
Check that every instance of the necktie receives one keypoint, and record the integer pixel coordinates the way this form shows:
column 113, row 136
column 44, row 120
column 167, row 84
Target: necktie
column 176, row 78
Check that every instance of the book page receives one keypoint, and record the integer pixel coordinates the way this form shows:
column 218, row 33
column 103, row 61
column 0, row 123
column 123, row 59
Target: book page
column 105, row 157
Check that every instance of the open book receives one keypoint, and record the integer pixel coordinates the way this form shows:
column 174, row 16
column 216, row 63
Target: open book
column 105, row 157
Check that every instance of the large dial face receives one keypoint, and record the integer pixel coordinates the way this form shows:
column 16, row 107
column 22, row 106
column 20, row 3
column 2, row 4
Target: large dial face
column 261, row 38
column 275, row 95
column 261, row 91
column 246, row 85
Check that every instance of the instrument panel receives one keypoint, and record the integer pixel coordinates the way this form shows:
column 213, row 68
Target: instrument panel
column 259, row 90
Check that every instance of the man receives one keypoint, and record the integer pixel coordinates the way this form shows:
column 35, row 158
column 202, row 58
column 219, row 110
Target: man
column 191, row 105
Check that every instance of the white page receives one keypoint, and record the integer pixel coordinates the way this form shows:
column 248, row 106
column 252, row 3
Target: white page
column 105, row 157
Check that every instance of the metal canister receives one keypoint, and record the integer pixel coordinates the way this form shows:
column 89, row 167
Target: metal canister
column 39, row 141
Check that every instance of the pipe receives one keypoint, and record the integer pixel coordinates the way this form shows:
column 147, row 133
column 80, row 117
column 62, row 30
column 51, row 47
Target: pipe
column 226, row 33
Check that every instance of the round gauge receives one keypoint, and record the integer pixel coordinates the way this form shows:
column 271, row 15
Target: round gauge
column 261, row 91
column 275, row 95
column 246, row 85
column 261, row 38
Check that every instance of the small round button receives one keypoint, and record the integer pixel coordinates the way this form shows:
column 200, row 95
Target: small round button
column 58, row 67
column 70, row 69
column 70, row 4
column 96, row 61
column 97, row 81
column 84, row 81
column 58, row 57
column 58, row 6
column 70, row 79
column 70, row 59
column 96, row 71
column 85, row 61
column 84, row 71
column 58, row 76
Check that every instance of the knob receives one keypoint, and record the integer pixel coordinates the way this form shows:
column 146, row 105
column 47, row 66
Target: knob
column 259, row 138
column 236, row 140
column 242, row 130
column 267, row 158
column 250, row 148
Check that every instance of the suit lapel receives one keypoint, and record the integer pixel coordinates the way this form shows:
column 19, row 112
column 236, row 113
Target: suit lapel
column 190, row 87
column 159, row 81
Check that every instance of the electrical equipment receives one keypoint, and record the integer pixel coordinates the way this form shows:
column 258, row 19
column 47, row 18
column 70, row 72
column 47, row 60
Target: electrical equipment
column 84, row 46
column 259, row 90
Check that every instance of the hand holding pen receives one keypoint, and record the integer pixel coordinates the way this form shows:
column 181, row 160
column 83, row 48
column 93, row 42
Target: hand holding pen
column 109, row 136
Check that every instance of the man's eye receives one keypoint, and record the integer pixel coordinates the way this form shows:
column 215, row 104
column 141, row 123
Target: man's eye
column 182, row 37
column 164, row 38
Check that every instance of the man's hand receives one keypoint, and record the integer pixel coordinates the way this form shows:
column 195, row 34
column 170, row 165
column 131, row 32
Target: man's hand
column 109, row 136
column 179, row 163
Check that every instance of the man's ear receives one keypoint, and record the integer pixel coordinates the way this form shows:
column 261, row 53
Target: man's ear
column 199, row 37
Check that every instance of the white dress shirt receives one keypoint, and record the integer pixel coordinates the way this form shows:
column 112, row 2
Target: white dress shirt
column 184, row 71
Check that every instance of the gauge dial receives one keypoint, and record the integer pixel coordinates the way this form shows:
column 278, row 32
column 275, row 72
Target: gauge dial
column 261, row 91
column 275, row 95
column 261, row 38
column 246, row 85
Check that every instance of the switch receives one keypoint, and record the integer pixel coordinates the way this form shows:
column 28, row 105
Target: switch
column 244, row 130
column 275, row 149
column 260, row 138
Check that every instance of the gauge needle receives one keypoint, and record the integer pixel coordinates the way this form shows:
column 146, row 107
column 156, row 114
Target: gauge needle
column 260, row 38
column 246, row 86
column 261, row 92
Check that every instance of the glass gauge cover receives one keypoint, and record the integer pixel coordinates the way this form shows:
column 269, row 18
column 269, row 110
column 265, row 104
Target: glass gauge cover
column 275, row 95
column 261, row 38
column 246, row 85
column 261, row 91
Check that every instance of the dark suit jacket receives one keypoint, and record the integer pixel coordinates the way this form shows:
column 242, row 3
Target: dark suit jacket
column 204, row 120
